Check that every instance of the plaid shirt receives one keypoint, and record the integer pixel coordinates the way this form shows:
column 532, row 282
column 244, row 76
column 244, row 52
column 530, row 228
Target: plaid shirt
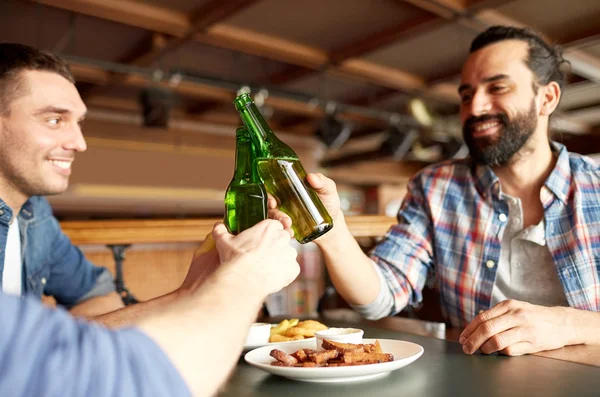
column 451, row 224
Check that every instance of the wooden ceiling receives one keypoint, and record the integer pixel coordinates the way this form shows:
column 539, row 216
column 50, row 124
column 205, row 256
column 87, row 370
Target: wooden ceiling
column 373, row 54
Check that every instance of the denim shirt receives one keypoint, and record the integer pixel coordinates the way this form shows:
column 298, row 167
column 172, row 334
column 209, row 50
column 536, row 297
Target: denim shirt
column 52, row 265
column 46, row 352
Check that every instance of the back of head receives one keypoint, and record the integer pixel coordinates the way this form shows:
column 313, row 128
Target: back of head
column 545, row 61
column 17, row 58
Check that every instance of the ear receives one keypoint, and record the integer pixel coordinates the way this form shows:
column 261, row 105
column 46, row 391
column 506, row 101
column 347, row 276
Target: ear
column 550, row 98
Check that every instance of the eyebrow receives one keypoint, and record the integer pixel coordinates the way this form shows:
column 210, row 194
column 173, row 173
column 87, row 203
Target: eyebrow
column 52, row 109
column 486, row 80
column 58, row 110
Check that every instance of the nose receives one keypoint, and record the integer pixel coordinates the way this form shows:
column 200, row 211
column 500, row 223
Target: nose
column 480, row 104
column 76, row 141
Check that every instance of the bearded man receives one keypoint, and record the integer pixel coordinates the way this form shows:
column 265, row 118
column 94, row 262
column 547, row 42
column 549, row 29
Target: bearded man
column 511, row 233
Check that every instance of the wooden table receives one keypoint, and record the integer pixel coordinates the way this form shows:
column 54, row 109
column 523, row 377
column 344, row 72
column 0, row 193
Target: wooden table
column 443, row 370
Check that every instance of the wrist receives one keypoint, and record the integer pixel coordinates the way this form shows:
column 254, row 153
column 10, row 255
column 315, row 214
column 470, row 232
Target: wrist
column 337, row 233
column 582, row 326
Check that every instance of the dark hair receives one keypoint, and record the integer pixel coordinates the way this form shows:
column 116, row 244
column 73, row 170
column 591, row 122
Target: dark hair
column 16, row 58
column 545, row 61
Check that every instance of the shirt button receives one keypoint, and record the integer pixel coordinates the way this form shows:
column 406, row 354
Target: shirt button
column 490, row 264
column 1, row 212
column 502, row 217
column 43, row 280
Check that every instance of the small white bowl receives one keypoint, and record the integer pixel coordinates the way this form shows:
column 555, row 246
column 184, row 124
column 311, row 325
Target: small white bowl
column 342, row 335
column 258, row 334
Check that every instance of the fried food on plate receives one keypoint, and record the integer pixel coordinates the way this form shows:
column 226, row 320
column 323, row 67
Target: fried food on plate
column 293, row 329
column 283, row 338
column 335, row 355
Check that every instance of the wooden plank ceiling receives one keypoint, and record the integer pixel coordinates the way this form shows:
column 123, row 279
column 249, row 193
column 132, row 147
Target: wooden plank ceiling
column 373, row 54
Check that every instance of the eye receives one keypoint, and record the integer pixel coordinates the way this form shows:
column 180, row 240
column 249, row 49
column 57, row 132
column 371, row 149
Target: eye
column 465, row 98
column 498, row 88
column 54, row 121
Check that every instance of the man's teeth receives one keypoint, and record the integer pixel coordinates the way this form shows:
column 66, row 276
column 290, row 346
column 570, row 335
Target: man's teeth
column 61, row 163
column 485, row 126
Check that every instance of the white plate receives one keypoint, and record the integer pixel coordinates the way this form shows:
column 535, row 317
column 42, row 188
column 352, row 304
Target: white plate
column 404, row 354
column 247, row 348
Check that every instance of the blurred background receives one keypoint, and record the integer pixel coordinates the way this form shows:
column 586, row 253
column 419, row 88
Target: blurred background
column 364, row 90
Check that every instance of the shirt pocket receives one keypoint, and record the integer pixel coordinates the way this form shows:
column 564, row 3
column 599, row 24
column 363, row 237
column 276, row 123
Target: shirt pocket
column 37, row 281
column 37, row 255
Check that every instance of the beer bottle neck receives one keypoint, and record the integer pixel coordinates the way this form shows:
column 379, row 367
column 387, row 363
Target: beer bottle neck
column 267, row 144
column 243, row 160
column 258, row 127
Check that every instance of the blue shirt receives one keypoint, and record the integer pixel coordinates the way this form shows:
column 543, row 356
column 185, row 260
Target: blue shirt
column 45, row 352
column 451, row 225
column 51, row 264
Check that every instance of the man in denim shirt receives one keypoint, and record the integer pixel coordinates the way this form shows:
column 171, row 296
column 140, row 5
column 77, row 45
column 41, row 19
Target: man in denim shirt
column 40, row 116
column 40, row 134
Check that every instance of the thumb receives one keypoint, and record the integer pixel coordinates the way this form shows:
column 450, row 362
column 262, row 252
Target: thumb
column 321, row 183
column 220, row 231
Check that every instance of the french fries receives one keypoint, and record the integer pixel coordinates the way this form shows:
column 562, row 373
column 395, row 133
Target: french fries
column 335, row 355
column 293, row 329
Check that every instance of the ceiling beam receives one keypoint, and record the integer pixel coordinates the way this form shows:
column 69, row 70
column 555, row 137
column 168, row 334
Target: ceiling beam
column 205, row 16
column 391, row 35
column 237, row 39
column 95, row 75
column 132, row 13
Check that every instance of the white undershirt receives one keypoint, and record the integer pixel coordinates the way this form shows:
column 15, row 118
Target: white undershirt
column 11, row 276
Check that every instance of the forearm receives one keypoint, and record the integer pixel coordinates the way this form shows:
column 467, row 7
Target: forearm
column 132, row 314
column 351, row 271
column 212, row 323
column 583, row 327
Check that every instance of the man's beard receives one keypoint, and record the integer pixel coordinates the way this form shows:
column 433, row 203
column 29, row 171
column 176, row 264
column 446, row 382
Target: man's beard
column 512, row 136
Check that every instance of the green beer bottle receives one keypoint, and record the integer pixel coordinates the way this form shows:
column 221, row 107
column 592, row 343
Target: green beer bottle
column 284, row 177
column 246, row 198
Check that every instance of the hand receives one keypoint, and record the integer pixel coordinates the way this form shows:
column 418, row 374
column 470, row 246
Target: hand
column 204, row 263
column 326, row 191
column 515, row 328
column 262, row 255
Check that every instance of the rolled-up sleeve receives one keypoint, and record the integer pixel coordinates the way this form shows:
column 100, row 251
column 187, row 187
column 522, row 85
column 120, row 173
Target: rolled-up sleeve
column 405, row 254
column 73, row 278
column 45, row 352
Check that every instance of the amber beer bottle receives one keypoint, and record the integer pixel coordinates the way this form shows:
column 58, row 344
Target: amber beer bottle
column 246, row 197
column 284, row 177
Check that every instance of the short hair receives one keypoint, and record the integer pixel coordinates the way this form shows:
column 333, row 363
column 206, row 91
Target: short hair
column 17, row 58
column 545, row 61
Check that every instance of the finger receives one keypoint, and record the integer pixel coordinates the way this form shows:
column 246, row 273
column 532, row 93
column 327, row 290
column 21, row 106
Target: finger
column 488, row 329
column 519, row 349
column 271, row 202
column 502, row 340
column 486, row 315
column 282, row 217
column 219, row 231
column 315, row 180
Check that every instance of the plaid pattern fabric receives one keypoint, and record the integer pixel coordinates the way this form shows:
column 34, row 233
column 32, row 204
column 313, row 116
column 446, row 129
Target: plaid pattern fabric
column 451, row 224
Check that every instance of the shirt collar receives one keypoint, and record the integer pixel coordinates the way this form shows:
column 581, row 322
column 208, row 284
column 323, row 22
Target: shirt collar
column 486, row 181
column 559, row 181
column 27, row 210
column 6, row 213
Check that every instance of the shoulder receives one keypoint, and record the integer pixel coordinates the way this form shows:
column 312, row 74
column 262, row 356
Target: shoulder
column 584, row 169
